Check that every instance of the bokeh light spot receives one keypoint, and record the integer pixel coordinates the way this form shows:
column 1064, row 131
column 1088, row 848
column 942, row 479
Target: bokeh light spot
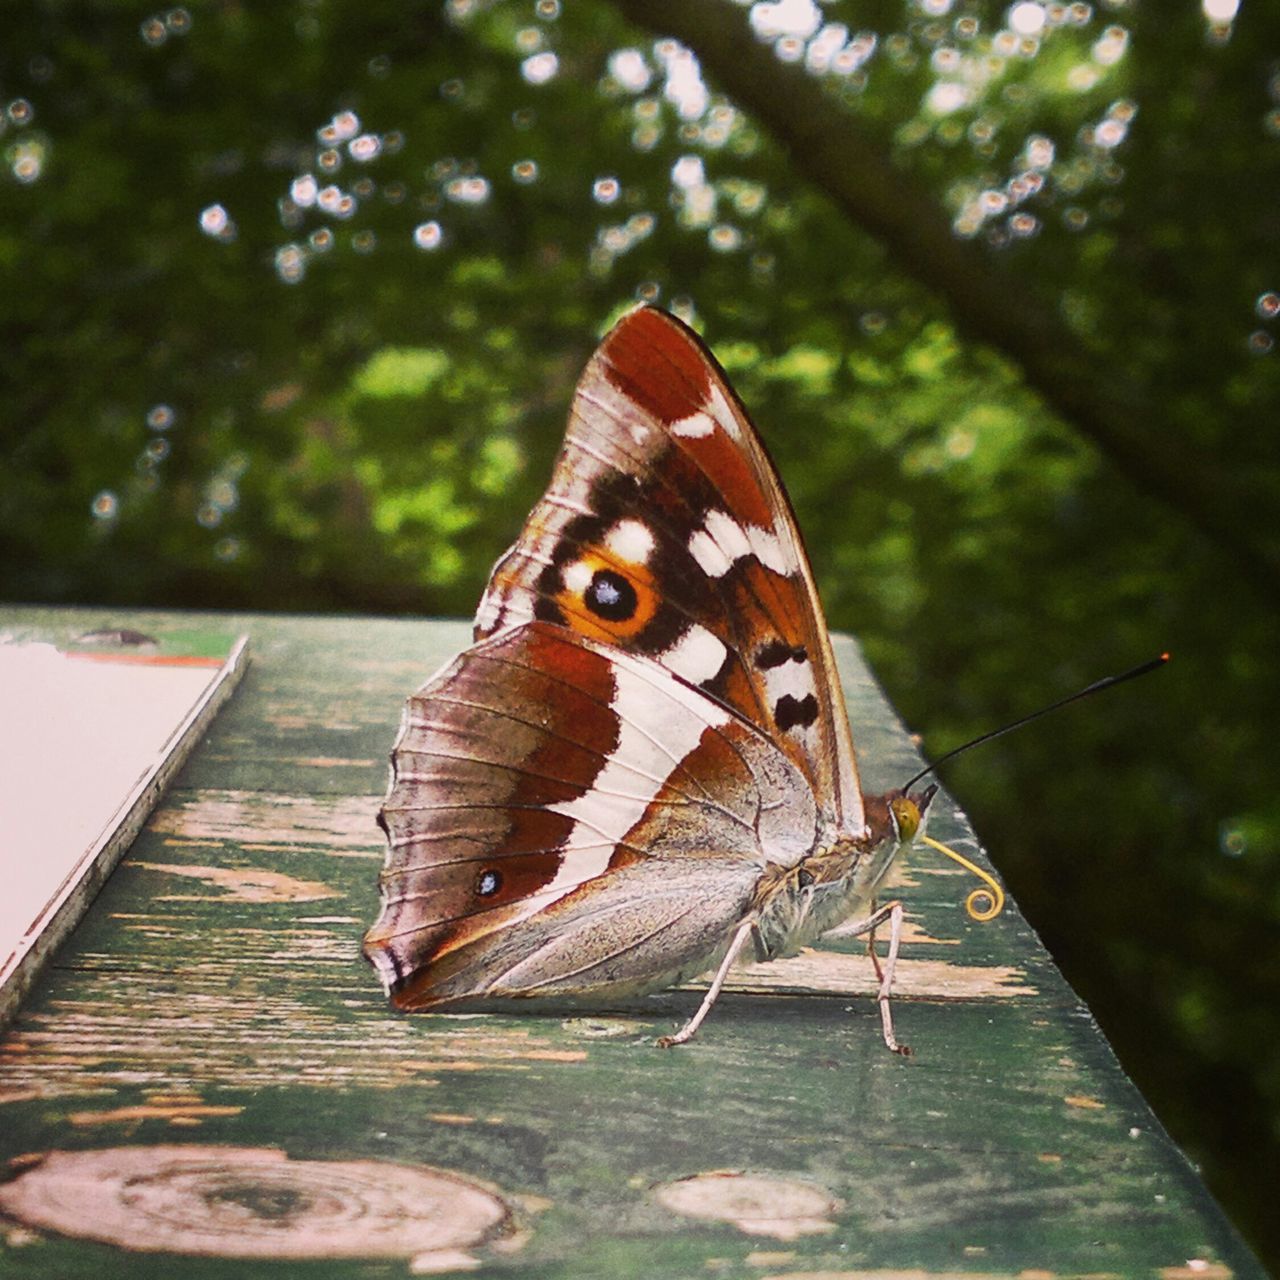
column 216, row 222
column 105, row 505
column 428, row 235
column 540, row 68
column 629, row 68
column 1027, row 18
column 1221, row 12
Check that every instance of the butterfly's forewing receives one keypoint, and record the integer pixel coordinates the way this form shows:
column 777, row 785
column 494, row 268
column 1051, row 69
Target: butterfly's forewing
column 564, row 817
column 665, row 532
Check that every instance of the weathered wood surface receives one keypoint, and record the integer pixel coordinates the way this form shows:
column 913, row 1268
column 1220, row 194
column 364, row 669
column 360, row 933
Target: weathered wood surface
column 212, row 1033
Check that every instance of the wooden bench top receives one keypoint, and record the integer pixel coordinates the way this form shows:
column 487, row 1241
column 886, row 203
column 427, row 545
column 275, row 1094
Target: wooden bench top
column 208, row 1067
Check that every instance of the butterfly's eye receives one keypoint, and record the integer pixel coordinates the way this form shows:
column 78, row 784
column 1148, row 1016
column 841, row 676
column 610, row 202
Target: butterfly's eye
column 488, row 884
column 611, row 596
column 906, row 817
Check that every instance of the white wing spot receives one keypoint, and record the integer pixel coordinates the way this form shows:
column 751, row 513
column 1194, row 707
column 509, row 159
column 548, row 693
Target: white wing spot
column 794, row 679
column 489, row 612
column 630, row 540
column 723, row 412
column 728, row 534
column 694, row 426
column 722, row 541
column 711, row 559
column 577, row 576
column 697, row 656
column 769, row 551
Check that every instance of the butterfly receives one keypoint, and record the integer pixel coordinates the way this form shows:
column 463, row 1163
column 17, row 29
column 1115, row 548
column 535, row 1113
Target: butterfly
column 641, row 770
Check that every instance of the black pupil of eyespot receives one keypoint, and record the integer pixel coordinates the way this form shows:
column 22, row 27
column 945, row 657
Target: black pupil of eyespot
column 489, row 884
column 611, row 596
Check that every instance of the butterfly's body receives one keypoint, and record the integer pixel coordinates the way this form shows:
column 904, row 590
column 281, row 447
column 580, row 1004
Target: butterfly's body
column 643, row 762
column 805, row 905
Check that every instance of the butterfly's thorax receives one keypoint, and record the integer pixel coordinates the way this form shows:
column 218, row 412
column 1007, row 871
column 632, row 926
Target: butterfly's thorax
column 837, row 883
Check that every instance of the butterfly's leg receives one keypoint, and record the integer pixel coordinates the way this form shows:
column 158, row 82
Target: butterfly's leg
column 690, row 1028
column 871, row 948
column 891, row 911
column 886, row 982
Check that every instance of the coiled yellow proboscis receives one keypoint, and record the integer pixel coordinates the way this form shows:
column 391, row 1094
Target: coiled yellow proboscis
column 981, row 904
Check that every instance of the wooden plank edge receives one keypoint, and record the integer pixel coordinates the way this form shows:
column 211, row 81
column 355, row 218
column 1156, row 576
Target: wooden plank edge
column 64, row 910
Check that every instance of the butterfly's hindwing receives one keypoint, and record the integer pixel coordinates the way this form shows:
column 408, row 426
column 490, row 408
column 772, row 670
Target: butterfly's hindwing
column 529, row 775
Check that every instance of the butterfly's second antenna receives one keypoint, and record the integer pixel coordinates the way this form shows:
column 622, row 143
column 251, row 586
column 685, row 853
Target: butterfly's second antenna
column 1097, row 686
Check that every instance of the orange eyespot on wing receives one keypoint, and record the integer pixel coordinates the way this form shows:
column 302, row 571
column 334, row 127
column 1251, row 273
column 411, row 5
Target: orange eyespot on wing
column 606, row 596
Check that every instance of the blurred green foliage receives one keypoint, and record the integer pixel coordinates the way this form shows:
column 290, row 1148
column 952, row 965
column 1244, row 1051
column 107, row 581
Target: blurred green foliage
column 294, row 298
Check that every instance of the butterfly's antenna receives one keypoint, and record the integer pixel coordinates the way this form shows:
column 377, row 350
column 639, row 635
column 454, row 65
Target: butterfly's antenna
column 1096, row 687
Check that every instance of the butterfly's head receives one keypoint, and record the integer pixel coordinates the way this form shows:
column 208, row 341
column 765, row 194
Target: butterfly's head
column 909, row 812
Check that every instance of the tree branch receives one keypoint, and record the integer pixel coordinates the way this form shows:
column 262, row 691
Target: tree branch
column 832, row 149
